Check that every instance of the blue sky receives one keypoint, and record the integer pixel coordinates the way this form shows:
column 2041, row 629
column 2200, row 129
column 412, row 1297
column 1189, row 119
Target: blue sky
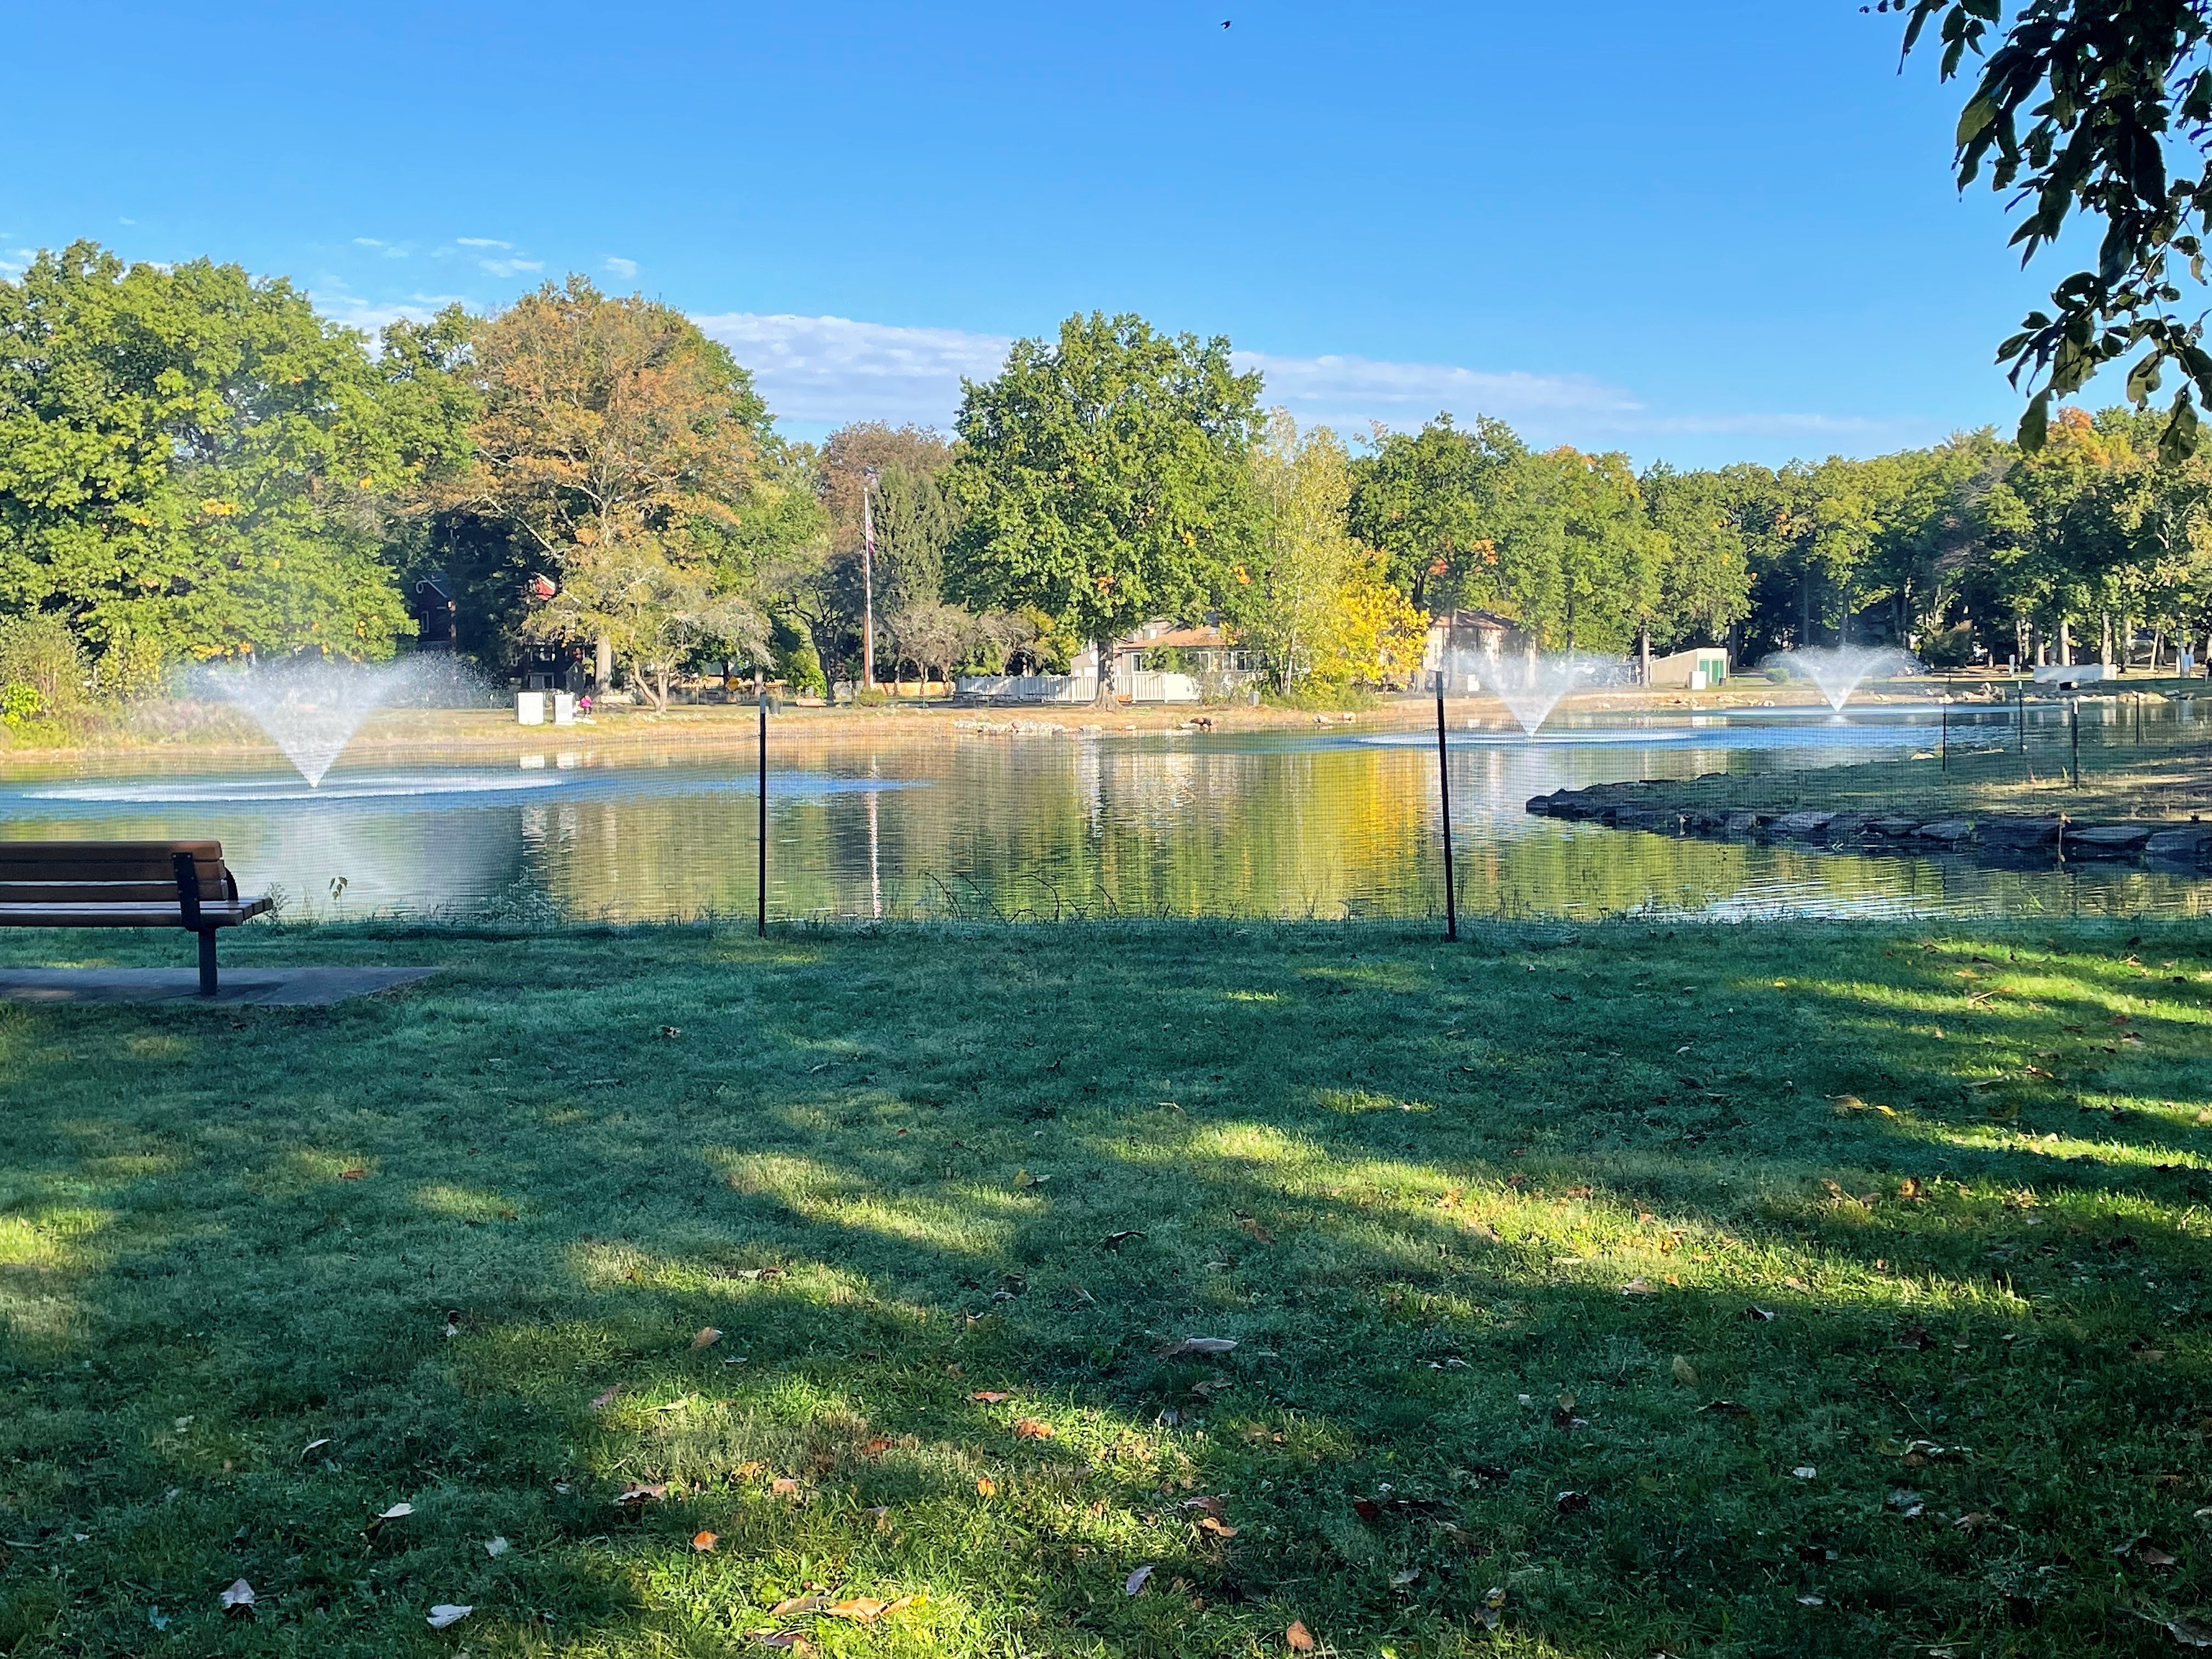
column 1702, row 234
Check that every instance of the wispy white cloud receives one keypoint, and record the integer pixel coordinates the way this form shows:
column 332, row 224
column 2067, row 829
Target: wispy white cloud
column 481, row 241
column 1351, row 393
column 833, row 369
column 621, row 267
column 1340, row 390
column 510, row 267
column 367, row 241
column 334, row 301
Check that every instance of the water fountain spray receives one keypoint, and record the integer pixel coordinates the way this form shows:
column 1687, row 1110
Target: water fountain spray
column 311, row 707
column 1532, row 686
column 1839, row 669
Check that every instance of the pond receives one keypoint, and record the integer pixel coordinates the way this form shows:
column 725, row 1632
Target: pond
column 1327, row 822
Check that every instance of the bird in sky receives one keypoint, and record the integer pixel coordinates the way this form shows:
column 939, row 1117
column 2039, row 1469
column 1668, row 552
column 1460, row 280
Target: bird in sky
column 1224, row 22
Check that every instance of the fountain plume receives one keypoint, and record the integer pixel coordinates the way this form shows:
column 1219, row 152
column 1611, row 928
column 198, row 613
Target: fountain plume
column 312, row 706
column 1840, row 670
column 1533, row 685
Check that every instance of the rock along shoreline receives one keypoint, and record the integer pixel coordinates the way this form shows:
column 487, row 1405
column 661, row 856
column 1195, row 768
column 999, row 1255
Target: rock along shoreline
column 1995, row 838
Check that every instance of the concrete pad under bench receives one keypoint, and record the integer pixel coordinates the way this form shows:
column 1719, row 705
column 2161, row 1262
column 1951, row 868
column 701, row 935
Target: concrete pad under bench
column 262, row 987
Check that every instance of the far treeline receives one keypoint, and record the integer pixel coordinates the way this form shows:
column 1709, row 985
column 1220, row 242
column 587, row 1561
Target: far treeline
column 194, row 466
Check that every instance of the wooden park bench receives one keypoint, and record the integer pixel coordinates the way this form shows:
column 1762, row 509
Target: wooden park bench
column 123, row 884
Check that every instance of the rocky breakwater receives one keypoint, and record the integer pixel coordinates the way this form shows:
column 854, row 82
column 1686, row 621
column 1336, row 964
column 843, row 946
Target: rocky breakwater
column 1992, row 837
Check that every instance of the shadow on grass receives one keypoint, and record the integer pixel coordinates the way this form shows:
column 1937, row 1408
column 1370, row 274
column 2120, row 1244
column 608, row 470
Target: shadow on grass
column 1547, row 1269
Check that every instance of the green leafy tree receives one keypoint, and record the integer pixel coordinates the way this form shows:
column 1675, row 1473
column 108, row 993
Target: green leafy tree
column 1578, row 563
column 2102, row 107
column 653, row 614
column 1284, row 603
column 1433, row 502
column 192, row 458
column 1704, row 573
column 1103, row 479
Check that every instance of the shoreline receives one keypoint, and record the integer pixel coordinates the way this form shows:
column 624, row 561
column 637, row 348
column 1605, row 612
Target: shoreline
column 215, row 733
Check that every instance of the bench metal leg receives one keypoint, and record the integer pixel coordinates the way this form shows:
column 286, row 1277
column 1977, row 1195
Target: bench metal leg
column 207, row 962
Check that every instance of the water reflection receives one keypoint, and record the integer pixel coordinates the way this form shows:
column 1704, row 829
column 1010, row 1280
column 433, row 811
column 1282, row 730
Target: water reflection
column 1325, row 823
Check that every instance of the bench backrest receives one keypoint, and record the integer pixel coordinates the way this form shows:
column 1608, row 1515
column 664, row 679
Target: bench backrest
column 97, row 872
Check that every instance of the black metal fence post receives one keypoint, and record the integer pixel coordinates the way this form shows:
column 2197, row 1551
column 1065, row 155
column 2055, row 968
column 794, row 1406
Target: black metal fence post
column 1443, row 795
column 1943, row 742
column 2020, row 712
column 761, row 876
column 2073, row 737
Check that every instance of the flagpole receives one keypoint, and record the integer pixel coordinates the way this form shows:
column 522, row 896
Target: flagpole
column 867, row 592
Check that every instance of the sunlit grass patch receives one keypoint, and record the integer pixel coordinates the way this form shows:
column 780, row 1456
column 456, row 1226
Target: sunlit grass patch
column 892, row 1294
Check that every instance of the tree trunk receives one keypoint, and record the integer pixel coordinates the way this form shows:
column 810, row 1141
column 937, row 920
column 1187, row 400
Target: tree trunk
column 2065, row 643
column 1103, row 698
column 1643, row 655
column 1805, row 608
column 602, row 665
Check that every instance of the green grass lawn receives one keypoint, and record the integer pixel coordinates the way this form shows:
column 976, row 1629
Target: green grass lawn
column 2167, row 779
column 1783, row 1289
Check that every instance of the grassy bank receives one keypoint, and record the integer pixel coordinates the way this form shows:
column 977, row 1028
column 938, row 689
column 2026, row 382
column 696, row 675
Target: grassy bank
column 1805, row 1290
column 2171, row 780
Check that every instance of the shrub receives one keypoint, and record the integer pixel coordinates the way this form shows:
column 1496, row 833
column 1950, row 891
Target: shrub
column 1952, row 648
column 42, row 654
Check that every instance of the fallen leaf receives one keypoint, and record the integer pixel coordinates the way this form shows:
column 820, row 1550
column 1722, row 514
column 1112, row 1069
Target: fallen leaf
column 2190, row 1632
column 1135, row 1583
column 1218, row 1528
column 1759, row 1314
column 1115, row 1241
column 1257, row 1231
column 989, row 1397
column 240, row 1594
column 445, row 1613
column 313, row 1445
column 641, row 1492
column 1813, row 1601
column 1200, row 1344
column 987, row 1487
column 1903, row 1501
column 1409, row 1574
column 1636, row 1286
column 1572, row 1503
column 1030, row 1428
column 1212, row 1506
column 352, row 1174
column 1367, row 1509
column 784, row 1486
column 798, row 1604
column 1804, row 1471
column 601, row 1401
column 1685, row 1372
column 497, row 1546
column 1299, row 1637
column 1973, row 1520
column 2151, row 1555
column 875, row 1448
column 672, row 1031
column 861, row 1609
column 708, row 1337
column 790, row 1639
column 704, row 1541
